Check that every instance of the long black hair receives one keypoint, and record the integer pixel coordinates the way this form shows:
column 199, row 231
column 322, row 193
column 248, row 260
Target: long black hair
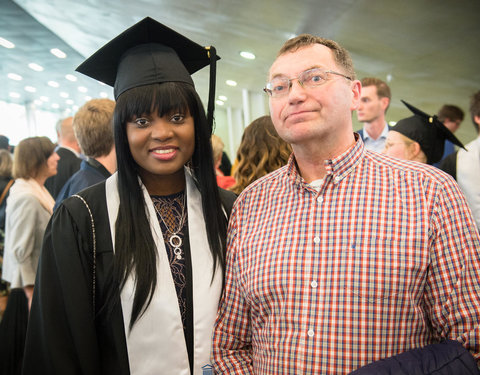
column 135, row 250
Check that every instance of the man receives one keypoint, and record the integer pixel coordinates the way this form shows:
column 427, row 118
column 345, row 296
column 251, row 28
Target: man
column 93, row 126
column 344, row 256
column 374, row 102
column 465, row 166
column 451, row 116
column 69, row 152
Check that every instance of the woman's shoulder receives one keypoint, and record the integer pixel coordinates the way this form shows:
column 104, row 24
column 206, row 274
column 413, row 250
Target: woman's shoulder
column 228, row 199
column 90, row 200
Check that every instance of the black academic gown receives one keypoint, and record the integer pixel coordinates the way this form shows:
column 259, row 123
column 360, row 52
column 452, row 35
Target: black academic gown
column 62, row 336
column 64, row 294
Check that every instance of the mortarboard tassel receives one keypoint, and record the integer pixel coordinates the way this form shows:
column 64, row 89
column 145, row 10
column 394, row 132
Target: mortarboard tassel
column 212, row 53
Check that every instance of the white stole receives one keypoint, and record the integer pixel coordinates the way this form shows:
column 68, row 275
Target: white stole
column 156, row 343
column 468, row 176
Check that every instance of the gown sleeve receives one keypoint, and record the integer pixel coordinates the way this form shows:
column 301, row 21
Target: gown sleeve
column 61, row 336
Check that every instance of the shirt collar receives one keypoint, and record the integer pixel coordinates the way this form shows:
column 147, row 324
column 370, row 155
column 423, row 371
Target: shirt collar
column 338, row 168
column 382, row 135
column 68, row 148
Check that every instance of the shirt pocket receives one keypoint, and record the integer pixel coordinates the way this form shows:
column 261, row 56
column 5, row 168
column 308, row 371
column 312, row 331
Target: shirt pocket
column 382, row 270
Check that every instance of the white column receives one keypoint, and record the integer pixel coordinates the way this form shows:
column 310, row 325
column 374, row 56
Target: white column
column 30, row 109
column 258, row 105
column 246, row 107
column 231, row 138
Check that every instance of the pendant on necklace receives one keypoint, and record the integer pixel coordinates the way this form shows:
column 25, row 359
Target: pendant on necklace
column 176, row 243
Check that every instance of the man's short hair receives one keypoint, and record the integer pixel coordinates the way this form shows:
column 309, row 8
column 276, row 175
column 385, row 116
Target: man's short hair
column 383, row 90
column 340, row 54
column 475, row 109
column 64, row 130
column 93, row 126
column 451, row 112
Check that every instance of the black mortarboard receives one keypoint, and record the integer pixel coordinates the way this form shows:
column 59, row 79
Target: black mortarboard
column 428, row 131
column 147, row 53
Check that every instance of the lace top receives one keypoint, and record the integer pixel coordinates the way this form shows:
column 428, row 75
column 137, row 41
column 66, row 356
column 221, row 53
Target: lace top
column 169, row 211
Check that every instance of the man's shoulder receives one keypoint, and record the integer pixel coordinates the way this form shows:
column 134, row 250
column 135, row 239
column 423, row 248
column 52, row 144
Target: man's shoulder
column 265, row 182
column 93, row 195
column 401, row 168
column 65, row 152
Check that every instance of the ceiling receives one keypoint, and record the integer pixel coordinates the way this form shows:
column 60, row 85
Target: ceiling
column 428, row 50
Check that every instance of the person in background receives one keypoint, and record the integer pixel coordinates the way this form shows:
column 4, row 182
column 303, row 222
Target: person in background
column 131, row 269
column 217, row 146
column 451, row 116
column 69, row 152
column 6, row 182
column 374, row 102
column 344, row 256
column 225, row 165
column 29, row 208
column 420, row 137
column 5, row 143
column 261, row 151
column 93, row 126
column 464, row 165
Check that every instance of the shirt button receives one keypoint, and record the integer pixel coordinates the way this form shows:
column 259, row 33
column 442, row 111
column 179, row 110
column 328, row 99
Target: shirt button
column 316, row 240
column 310, row 333
column 314, row 284
column 320, row 199
column 336, row 179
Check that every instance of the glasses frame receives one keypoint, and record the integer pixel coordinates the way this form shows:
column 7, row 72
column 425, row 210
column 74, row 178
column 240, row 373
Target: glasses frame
column 269, row 91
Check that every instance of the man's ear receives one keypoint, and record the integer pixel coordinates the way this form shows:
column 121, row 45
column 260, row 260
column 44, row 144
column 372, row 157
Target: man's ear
column 477, row 120
column 385, row 102
column 357, row 92
column 414, row 150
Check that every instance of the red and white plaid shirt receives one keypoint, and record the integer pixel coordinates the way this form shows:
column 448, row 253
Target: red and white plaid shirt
column 384, row 258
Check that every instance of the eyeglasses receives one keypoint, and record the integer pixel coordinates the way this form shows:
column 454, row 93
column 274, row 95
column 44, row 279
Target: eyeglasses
column 280, row 86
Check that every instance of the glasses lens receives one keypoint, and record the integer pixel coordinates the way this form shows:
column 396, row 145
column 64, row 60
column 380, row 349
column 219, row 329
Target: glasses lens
column 313, row 77
column 278, row 87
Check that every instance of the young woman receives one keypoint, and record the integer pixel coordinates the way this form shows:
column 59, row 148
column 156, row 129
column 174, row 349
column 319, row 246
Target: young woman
column 261, row 151
column 136, row 263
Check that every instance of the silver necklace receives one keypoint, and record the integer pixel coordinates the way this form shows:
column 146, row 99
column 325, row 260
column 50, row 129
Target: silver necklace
column 175, row 240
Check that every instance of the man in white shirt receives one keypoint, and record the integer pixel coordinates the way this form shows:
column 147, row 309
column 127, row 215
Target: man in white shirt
column 374, row 103
column 464, row 166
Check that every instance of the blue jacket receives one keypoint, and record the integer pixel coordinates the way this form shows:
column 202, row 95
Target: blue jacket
column 91, row 172
column 446, row 358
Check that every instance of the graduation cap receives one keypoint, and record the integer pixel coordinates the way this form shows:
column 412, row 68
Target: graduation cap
column 147, row 53
column 428, row 131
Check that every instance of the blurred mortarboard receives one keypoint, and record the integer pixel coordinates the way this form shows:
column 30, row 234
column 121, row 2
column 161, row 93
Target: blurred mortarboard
column 428, row 131
column 148, row 53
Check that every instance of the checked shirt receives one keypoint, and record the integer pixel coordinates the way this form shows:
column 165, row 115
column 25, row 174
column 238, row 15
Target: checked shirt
column 382, row 259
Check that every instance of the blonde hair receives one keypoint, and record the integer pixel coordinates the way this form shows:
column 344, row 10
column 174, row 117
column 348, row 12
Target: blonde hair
column 30, row 156
column 261, row 151
column 93, row 126
column 6, row 164
column 217, row 147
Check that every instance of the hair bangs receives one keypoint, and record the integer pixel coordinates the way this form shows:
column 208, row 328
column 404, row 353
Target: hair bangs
column 163, row 98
